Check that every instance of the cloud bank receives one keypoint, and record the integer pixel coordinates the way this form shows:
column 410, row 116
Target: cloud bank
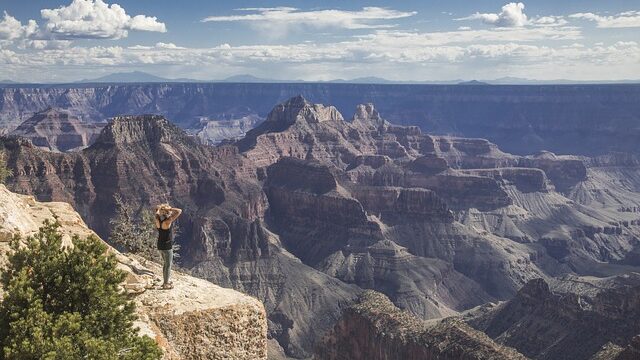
column 367, row 18
column 627, row 19
column 82, row 19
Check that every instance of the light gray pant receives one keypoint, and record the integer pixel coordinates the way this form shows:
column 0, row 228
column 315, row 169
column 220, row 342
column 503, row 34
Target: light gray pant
column 167, row 258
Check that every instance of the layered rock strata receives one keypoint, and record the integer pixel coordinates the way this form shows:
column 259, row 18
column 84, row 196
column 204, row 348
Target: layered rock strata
column 58, row 130
column 522, row 119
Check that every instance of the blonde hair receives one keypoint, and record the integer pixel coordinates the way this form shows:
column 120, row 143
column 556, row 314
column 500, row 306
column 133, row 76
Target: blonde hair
column 162, row 209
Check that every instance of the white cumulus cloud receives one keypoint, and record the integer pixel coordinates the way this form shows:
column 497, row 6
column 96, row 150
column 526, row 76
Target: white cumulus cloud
column 95, row 19
column 512, row 15
column 627, row 19
column 11, row 28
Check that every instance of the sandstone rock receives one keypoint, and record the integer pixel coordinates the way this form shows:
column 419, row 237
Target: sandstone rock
column 564, row 172
column 568, row 119
column 148, row 160
column 299, row 129
column 631, row 351
column 524, row 179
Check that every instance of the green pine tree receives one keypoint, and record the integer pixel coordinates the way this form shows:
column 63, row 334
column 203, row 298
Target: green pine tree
column 4, row 171
column 65, row 303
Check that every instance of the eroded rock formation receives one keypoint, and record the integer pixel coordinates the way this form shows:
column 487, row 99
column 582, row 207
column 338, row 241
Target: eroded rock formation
column 546, row 324
column 58, row 130
column 375, row 329
column 148, row 160
column 521, row 119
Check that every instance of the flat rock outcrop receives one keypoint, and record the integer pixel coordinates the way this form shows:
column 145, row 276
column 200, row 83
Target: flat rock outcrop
column 374, row 329
column 564, row 171
column 195, row 320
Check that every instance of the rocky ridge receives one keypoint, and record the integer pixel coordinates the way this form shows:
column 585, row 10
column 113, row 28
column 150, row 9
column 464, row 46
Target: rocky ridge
column 58, row 130
column 375, row 329
column 195, row 320
column 550, row 324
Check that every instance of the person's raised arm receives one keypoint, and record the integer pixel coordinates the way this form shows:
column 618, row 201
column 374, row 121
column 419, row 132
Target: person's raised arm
column 175, row 212
column 156, row 219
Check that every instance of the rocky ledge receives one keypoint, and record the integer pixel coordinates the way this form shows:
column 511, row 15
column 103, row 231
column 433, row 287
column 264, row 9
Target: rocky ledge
column 374, row 328
column 195, row 320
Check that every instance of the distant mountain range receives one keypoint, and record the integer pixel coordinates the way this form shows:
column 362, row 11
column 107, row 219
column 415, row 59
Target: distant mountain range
column 143, row 77
column 133, row 77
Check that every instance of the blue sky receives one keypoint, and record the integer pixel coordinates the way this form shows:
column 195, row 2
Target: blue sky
column 57, row 41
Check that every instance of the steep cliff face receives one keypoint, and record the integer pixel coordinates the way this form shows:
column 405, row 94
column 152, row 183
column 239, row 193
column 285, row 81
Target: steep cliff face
column 543, row 324
column 375, row 329
column 58, row 130
column 195, row 320
column 357, row 233
column 566, row 119
column 146, row 159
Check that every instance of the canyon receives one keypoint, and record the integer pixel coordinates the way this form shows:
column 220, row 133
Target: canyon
column 357, row 233
column 520, row 119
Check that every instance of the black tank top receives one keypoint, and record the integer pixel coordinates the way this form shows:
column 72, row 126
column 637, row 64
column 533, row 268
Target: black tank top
column 165, row 237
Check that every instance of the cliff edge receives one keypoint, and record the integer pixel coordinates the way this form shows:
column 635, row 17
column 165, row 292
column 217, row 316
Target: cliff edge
column 195, row 320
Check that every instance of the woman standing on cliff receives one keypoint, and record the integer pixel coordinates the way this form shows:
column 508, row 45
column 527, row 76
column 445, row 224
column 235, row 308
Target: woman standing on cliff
column 165, row 216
